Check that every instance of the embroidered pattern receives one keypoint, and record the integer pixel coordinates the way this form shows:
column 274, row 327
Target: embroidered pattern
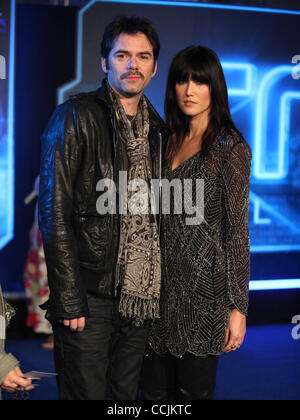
column 206, row 268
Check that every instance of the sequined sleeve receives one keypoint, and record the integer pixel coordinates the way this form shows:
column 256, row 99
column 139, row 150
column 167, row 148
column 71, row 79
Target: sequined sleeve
column 236, row 181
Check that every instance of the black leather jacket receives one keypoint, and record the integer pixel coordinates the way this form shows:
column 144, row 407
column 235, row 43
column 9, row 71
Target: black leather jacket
column 80, row 146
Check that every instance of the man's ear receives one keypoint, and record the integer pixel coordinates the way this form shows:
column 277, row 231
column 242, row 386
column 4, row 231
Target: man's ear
column 104, row 66
column 154, row 69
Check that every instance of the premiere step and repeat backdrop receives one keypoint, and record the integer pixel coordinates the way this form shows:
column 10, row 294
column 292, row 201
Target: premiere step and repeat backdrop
column 260, row 53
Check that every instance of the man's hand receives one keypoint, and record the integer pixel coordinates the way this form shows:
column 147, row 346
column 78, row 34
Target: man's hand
column 76, row 325
column 15, row 381
column 236, row 331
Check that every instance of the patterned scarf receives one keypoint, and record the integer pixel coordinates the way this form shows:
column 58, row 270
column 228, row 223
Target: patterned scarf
column 139, row 260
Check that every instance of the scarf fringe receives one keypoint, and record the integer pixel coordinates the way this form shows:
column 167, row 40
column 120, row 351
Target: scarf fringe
column 139, row 309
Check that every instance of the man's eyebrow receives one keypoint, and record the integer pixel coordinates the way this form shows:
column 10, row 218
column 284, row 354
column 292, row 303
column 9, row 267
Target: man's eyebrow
column 127, row 52
column 121, row 51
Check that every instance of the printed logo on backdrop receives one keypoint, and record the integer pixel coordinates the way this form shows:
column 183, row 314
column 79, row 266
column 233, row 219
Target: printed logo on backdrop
column 2, row 327
column 296, row 329
column 3, row 29
column 296, row 69
column 2, row 67
column 7, row 22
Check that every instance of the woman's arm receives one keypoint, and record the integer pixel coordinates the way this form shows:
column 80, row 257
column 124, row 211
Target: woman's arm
column 236, row 183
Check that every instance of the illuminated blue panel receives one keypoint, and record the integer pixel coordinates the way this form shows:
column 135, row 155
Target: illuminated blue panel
column 274, row 148
column 281, row 217
column 266, row 215
column 275, row 284
column 240, row 78
column 7, row 45
column 265, row 106
column 258, row 220
column 197, row 5
column 285, row 124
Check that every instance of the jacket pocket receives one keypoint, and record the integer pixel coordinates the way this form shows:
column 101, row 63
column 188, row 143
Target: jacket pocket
column 93, row 236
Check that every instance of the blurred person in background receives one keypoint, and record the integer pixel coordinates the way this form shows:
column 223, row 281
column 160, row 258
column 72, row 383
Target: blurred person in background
column 35, row 278
column 11, row 376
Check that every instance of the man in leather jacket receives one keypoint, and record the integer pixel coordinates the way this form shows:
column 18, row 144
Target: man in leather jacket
column 81, row 145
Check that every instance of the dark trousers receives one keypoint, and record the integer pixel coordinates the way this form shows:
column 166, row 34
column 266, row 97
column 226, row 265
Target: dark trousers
column 106, row 356
column 171, row 378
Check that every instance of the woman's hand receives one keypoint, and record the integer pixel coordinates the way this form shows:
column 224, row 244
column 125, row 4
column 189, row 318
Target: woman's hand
column 15, row 381
column 236, row 331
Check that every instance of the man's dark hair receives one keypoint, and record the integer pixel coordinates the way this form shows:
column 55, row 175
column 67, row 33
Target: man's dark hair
column 129, row 25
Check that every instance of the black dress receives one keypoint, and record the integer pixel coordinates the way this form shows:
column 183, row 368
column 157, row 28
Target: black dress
column 206, row 267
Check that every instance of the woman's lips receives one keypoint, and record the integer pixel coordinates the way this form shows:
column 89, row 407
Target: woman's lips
column 189, row 103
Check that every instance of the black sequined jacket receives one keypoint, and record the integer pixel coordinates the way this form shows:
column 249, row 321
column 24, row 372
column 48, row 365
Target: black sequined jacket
column 206, row 268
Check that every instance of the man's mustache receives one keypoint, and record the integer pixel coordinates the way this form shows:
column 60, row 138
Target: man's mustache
column 132, row 73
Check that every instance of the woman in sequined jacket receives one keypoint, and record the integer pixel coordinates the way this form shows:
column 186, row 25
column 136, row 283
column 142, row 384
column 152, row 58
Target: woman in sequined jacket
column 206, row 265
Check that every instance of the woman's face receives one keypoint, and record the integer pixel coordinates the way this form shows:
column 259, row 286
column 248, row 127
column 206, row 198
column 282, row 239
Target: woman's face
column 193, row 98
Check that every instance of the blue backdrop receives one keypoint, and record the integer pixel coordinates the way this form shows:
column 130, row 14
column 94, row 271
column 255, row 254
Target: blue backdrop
column 7, row 19
column 260, row 52
column 42, row 63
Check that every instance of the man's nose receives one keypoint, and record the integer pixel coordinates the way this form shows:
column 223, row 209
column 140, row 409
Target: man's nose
column 132, row 63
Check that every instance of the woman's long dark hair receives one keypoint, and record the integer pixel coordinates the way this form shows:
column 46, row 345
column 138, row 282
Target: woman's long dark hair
column 202, row 65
